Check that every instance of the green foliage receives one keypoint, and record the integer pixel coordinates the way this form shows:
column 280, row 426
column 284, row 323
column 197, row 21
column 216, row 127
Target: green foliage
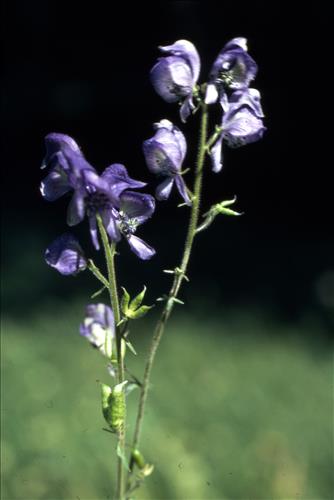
column 253, row 423
column 134, row 309
column 217, row 209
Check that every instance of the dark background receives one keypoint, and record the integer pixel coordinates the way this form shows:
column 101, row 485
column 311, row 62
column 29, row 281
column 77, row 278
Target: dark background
column 83, row 70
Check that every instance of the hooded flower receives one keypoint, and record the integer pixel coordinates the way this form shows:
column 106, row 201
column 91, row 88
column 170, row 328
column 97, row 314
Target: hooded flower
column 99, row 328
column 174, row 76
column 66, row 255
column 251, row 97
column 66, row 163
column 241, row 124
column 92, row 194
column 233, row 69
column 164, row 154
column 135, row 209
column 101, row 194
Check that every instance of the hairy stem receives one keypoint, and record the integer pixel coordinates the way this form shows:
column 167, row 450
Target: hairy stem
column 179, row 275
column 110, row 251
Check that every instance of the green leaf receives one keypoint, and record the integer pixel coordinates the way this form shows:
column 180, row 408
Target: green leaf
column 139, row 313
column 125, row 301
column 130, row 346
column 96, row 294
column 137, row 301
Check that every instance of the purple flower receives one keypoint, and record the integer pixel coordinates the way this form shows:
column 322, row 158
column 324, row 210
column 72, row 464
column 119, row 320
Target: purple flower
column 135, row 209
column 66, row 163
column 66, row 255
column 233, row 69
column 251, row 97
column 92, row 194
column 241, row 125
column 174, row 77
column 99, row 328
column 101, row 194
column 164, row 154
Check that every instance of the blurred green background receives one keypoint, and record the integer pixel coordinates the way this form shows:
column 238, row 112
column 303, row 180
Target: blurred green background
column 240, row 407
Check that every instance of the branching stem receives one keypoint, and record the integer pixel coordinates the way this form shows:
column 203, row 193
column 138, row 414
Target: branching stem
column 178, row 278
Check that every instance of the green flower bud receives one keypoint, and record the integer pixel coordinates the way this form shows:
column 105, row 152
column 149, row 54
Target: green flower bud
column 113, row 405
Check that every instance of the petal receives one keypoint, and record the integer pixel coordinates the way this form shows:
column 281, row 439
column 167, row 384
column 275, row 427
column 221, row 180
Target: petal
column 239, row 42
column 181, row 186
column 234, row 68
column 186, row 108
column 223, row 100
column 157, row 158
column 216, row 155
column 171, row 78
column 164, row 130
column 93, row 231
column 54, row 185
column 110, row 225
column 118, row 180
column 102, row 314
column 76, row 208
column 252, row 97
column 163, row 191
column 99, row 321
column 55, row 142
column 186, row 50
column 66, row 255
column 242, row 127
column 140, row 247
column 211, row 94
column 137, row 206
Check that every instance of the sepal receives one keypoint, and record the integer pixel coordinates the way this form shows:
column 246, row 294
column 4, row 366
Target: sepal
column 134, row 309
column 217, row 209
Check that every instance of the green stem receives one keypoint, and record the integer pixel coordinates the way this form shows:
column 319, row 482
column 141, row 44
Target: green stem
column 178, row 278
column 110, row 251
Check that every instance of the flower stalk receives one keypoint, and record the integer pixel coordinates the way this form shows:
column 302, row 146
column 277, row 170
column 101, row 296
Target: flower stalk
column 179, row 276
column 110, row 251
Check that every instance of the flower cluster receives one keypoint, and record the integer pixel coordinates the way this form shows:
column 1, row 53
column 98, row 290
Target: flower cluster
column 111, row 195
column 175, row 76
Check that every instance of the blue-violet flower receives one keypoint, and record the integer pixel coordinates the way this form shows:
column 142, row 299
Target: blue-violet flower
column 92, row 193
column 66, row 255
column 241, row 124
column 164, row 154
column 98, row 328
column 233, row 69
column 135, row 209
column 174, row 77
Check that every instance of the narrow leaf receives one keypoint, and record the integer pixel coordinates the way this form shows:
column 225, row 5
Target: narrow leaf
column 137, row 301
column 125, row 301
column 139, row 313
column 96, row 294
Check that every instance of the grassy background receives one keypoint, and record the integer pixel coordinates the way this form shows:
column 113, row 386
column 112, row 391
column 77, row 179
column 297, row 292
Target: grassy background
column 239, row 408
